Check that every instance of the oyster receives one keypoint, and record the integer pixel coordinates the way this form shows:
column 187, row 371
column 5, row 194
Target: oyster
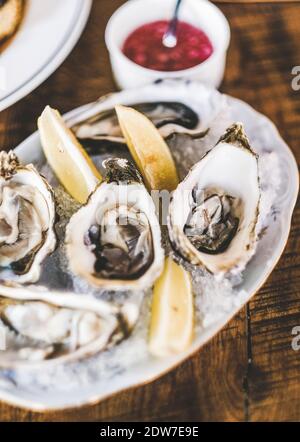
column 213, row 212
column 27, row 215
column 42, row 327
column 103, row 125
column 114, row 241
column 173, row 106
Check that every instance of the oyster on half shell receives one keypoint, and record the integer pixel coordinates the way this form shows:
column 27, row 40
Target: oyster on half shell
column 94, row 126
column 27, row 215
column 114, row 241
column 44, row 327
column 172, row 105
column 213, row 212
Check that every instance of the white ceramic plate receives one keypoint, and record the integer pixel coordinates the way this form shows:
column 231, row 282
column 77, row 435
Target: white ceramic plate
column 129, row 363
column 49, row 31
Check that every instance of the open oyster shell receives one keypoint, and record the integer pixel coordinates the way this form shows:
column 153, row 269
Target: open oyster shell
column 213, row 212
column 114, row 241
column 27, row 215
column 172, row 110
column 46, row 327
column 167, row 116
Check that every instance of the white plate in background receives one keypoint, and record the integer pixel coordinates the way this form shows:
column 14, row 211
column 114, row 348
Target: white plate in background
column 49, row 31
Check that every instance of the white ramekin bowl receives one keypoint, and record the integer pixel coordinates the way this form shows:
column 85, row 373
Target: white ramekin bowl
column 135, row 13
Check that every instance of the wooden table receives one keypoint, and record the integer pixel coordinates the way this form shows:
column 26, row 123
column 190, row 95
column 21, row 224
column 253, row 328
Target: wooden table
column 249, row 371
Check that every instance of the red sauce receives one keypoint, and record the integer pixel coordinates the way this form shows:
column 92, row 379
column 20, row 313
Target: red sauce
column 144, row 47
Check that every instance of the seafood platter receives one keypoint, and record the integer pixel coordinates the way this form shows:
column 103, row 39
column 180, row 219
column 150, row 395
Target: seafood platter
column 132, row 230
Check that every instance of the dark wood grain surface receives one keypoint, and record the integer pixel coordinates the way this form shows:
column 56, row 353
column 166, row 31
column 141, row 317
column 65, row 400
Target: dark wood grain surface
column 248, row 371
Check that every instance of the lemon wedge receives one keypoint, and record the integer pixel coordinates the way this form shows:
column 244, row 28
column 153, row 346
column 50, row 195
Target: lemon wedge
column 69, row 161
column 172, row 319
column 148, row 149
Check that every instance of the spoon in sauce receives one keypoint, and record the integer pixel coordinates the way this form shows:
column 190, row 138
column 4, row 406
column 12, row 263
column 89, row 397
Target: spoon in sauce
column 170, row 37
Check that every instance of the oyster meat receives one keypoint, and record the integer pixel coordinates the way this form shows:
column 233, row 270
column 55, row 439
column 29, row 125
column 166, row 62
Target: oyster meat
column 114, row 241
column 213, row 212
column 97, row 128
column 43, row 327
column 27, row 215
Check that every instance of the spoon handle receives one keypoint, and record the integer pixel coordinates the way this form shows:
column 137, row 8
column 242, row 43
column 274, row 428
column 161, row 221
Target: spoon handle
column 174, row 21
column 170, row 37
